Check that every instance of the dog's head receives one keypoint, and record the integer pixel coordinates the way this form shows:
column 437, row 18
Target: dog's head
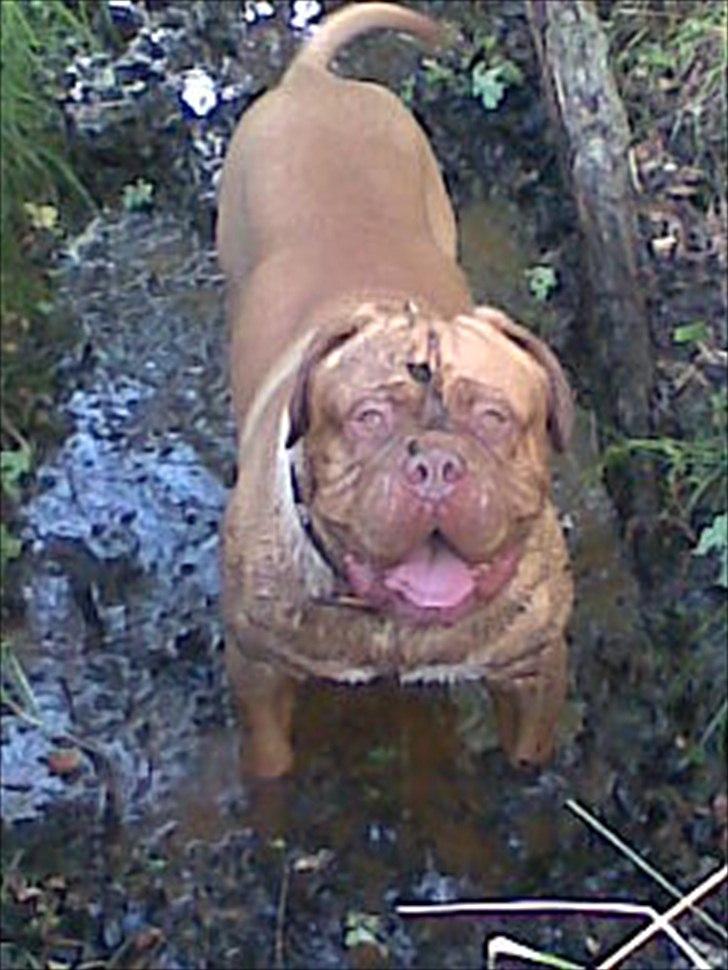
column 425, row 451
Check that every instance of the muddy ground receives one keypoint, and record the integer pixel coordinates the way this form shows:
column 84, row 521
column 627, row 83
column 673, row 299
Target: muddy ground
column 130, row 837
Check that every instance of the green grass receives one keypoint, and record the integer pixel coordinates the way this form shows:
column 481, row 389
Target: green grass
column 34, row 166
column 670, row 60
column 694, row 478
column 37, row 186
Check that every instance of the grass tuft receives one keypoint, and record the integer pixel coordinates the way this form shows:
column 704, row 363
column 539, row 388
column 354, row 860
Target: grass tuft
column 34, row 165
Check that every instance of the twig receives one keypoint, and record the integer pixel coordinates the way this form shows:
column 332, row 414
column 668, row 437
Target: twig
column 20, row 712
column 12, row 430
column 663, row 921
column 281, row 914
column 641, row 863
column 713, row 724
column 22, row 684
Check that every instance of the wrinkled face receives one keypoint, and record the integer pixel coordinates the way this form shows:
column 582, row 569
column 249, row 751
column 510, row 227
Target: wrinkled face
column 426, row 461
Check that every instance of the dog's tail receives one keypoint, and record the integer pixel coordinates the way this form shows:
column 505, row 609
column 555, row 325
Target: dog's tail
column 358, row 18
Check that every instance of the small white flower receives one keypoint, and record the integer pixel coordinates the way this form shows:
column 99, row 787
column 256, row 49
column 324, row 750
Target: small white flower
column 255, row 9
column 198, row 92
column 303, row 12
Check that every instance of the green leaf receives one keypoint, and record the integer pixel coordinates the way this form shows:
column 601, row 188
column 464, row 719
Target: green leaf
column 486, row 42
column 714, row 538
column 542, row 282
column 14, row 463
column 138, row 196
column 363, row 929
column 381, row 755
column 511, row 73
column 690, row 333
column 407, row 90
column 436, row 73
column 10, row 547
column 41, row 216
column 486, row 84
column 489, row 83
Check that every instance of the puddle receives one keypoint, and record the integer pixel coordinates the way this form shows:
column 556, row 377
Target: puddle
column 403, row 791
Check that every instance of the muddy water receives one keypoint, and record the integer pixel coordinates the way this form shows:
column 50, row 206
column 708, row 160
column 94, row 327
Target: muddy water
column 171, row 857
column 397, row 795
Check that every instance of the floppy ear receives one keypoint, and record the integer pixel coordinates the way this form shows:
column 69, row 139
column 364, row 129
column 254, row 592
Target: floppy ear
column 560, row 417
column 298, row 413
column 298, row 417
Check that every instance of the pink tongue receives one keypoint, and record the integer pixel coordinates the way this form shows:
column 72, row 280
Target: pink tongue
column 431, row 576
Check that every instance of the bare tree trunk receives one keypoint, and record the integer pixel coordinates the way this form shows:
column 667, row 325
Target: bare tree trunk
column 594, row 137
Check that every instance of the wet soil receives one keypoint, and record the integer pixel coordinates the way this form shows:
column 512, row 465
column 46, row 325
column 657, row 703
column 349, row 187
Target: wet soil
column 127, row 813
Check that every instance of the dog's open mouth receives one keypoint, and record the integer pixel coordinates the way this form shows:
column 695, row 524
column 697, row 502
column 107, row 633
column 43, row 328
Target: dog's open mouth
column 432, row 583
column 432, row 576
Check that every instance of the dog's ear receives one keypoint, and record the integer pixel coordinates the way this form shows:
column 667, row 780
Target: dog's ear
column 560, row 418
column 298, row 408
column 298, row 416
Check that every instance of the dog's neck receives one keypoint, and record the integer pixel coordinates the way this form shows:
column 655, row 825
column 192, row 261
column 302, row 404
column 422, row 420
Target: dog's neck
column 337, row 593
column 299, row 492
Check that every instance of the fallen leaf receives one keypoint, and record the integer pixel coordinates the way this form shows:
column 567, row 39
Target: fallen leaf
column 64, row 761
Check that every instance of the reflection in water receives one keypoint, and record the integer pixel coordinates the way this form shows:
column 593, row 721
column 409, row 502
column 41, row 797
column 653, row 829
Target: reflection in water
column 383, row 779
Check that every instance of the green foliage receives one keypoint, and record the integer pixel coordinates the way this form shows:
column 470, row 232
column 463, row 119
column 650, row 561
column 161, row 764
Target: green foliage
column 672, row 61
column 714, row 538
column 41, row 217
column 668, row 45
column 138, row 196
column 381, row 755
column 14, row 464
column 407, row 90
column 695, row 480
column 10, row 547
column 691, row 333
column 364, row 929
column 33, row 163
column 442, row 77
column 491, row 74
column 35, row 178
column 542, row 281
column 477, row 69
column 490, row 83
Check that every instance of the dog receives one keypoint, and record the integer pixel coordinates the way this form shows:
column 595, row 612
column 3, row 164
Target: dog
column 391, row 515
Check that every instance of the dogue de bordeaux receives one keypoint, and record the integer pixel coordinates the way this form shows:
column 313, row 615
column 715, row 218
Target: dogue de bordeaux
column 391, row 515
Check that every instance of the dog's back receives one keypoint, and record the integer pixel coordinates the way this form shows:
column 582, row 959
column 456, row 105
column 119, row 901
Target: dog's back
column 330, row 188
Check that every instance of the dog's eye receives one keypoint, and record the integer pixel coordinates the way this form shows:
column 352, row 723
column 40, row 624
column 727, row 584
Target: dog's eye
column 370, row 419
column 492, row 421
column 492, row 416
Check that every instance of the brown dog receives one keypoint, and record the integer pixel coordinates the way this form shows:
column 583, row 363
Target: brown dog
column 391, row 514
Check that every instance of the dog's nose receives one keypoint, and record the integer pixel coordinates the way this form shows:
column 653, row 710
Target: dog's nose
column 432, row 473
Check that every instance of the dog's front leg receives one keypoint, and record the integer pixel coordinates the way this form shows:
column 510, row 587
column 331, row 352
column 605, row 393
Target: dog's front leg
column 528, row 698
column 264, row 697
